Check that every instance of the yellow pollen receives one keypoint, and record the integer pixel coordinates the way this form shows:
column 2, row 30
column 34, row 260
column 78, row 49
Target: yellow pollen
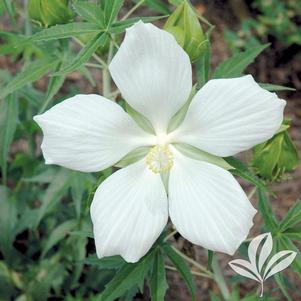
column 159, row 159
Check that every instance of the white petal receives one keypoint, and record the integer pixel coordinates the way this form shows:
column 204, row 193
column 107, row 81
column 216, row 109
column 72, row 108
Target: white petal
column 153, row 73
column 129, row 212
column 207, row 205
column 228, row 116
column 88, row 133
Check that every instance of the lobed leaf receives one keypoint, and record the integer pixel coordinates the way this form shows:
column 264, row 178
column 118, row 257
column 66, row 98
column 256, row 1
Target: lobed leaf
column 90, row 12
column 235, row 65
column 58, row 234
column 8, row 123
column 274, row 88
column 30, row 74
column 120, row 26
column 158, row 284
column 65, row 31
column 84, row 55
column 266, row 211
column 128, row 276
column 292, row 218
column 182, row 267
column 111, row 9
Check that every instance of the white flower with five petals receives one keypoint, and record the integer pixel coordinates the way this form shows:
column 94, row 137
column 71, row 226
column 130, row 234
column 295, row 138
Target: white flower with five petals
column 131, row 207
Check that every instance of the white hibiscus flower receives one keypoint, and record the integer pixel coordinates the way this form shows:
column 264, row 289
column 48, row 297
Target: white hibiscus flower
column 131, row 207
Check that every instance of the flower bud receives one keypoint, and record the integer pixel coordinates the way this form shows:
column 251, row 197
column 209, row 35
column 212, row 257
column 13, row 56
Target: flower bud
column 184, row 25
column 276, row 156
column 49, row 12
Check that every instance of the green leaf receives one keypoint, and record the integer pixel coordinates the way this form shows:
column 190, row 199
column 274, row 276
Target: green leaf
column 88, row 234
column 112, row 262
column 84, row 55
column 80, row 182
column 235, row 65
column 8, row 125
column 58, row 234
column 265, row 209
column 10, row 10
column 65, row 31
column 54, row 192
column 54, row 85
column 292, row 218
column 182, row 267
column 293, row 233
column 120, row 26
column 274, row 88
column 158, row 6
column 250, row 177
column 158, row 284
column 242, row 170
column 8, row 220
column 131, row 274
column 90, row 12
column 280, row 282
column 111, row 9
column 286, row 244
column 31, row 73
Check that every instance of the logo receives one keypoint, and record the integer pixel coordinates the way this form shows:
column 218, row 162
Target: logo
column 261, row 265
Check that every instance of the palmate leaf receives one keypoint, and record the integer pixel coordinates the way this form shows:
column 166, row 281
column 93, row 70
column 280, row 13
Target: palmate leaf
column 242, row 170
column 120, row 26
column 157, row 5
column 158, row 284
column 111, row 262
column 292, row 218
column 54, row 85
column 90, row 12
column 274, row 88
column 8, row 125
column 130, row 275
column 111, row 9
column 58, row 187
column 8, row 220
column 286, row 243
column 265, row 209
column 182, row 268
column 58, row 234
column 10, row 10
column 84, row 55
column 235, row 65
column 65, row 31
column 31, row 73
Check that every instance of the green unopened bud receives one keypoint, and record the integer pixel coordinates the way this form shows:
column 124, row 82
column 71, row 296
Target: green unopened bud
column 276, row 156
column 184, row 25
column 49, row 12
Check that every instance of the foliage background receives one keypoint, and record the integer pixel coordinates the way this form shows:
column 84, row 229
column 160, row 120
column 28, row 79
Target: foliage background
column 45, row 247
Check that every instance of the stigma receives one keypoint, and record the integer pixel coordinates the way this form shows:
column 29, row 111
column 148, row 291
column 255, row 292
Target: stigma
column 159, row 159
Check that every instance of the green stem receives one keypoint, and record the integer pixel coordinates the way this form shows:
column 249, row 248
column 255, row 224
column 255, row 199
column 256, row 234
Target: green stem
column 170, row 235
column 193, row 262
column 219, row 279
column 129, row 13
column 168, row 267
column 94, row 65
column 95, row 56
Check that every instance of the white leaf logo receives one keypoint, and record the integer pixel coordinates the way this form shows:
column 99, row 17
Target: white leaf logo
column 258, row 267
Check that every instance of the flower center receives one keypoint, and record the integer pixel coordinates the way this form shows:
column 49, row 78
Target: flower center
column 159, row 159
